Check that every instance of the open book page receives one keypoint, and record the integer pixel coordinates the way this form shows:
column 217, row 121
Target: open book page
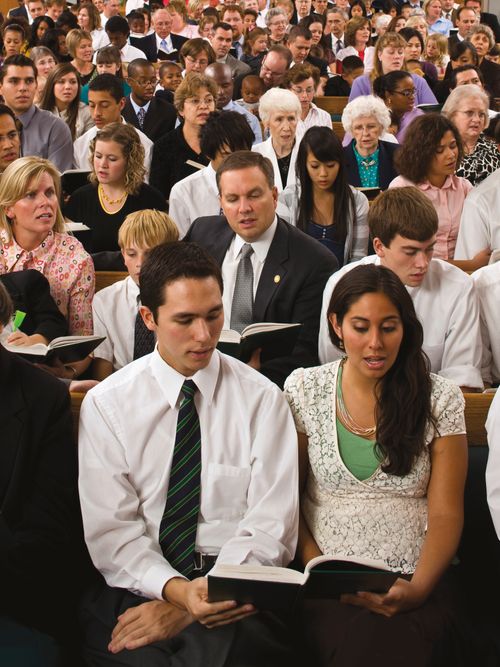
column 259, row 573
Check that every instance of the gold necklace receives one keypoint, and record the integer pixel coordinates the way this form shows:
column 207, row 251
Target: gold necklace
column 108, row 200
column 346, row 419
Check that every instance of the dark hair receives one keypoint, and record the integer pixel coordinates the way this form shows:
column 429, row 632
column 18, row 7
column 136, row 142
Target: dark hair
column 244, row 160
column 223, row 26
column 324, row 144
column 51, row 41
column 251, row 37
column 408, row 33
column 7, row 111
column 387, row 83
column 403, row 397
column 110, row 55
column 169, row 262
column 307, row 21
column 134, row 15
column 459, row 48
column 283, row 52
column 14, row 27
column 352, row 27
column 358, row 3
column 298, row 31
column 118, row 24
column 225, row 128
column 299, row 73
column 193, row 47
column 107, row 83
column 413, row 159
column 33, row 40
column 464, row 68
column 6, row 307
column 67, row 19
column 460, row 10
column 19, row 60
column 48, row 100
column 351, row 63
column 138, row 62
column 405, row 211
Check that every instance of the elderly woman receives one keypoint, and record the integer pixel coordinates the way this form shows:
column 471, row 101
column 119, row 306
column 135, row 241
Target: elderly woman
column 32, row 237
column 467, row 107
column 436, row 22
column 89, row 19
column 482, row 38
column 303, row 81
column 390, row 56
column 117, row 186
column 80, row 48
column 428, row 160
column 175, row 153
column 276, row 22
column 398, row 92
column 279, row 111
column 356, row 38
column 196, row 55
column 369, row 160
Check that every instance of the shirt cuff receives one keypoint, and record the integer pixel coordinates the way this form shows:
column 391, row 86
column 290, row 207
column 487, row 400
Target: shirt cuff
column 155, row 579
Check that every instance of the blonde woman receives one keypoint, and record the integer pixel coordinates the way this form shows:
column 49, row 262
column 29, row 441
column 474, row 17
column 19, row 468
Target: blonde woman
column 116, row 186
column 79, row 43
column 32, row 236
column 89, row 20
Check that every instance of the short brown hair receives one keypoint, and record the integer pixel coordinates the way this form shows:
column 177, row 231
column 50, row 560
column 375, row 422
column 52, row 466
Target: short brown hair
column 299, row 73
column 405, row 211
column 6, row 307
column 193, row 47
column 190, row 86
column 231, row 8
column 244, row 160
column 413, row 159
column 352, row 26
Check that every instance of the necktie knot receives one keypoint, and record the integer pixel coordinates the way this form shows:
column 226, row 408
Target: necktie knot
column 246, row 250
column 188, row 390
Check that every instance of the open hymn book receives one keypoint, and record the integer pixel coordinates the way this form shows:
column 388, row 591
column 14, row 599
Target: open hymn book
column 276, row 340
column 280, row 588
column 66, row 349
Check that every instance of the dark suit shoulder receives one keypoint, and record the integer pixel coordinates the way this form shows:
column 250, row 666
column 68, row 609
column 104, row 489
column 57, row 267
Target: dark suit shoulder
column 388, row 147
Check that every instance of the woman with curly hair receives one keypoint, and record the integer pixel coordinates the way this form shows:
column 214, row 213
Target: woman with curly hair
column 428, row 160
column 116, row 186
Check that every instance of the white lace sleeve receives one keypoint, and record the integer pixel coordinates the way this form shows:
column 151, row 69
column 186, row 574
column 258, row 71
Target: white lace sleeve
column 294, row 394
column 448, row 406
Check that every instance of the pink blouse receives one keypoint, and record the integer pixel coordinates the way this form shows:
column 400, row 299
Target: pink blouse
column 69, row 270
column 448, row 202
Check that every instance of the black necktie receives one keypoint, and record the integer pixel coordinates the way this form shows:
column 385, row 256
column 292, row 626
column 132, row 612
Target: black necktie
column 179, row 523
column 144, row 339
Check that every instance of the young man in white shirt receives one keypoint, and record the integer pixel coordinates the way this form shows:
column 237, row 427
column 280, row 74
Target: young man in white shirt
column 197, row 195
column 187, row 457
column 115, row 309
column 403, row 224
column 118, row 32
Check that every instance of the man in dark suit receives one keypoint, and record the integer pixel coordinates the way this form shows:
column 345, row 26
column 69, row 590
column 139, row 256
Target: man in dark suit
column 41, row 542
column 154, row 116
column 299, row 41
column 485, row 17
column 288, row 268
column 22, row 11
column 161, row 44
column 465, row 20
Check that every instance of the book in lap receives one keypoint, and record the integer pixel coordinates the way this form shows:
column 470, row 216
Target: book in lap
column 275, row 340
column 280, row 588
column 66, row 349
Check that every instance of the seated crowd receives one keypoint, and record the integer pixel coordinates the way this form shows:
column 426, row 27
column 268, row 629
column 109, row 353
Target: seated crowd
column 193, row 147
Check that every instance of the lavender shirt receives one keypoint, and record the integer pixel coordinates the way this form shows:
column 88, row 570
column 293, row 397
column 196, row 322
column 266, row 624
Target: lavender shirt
column 363, row 86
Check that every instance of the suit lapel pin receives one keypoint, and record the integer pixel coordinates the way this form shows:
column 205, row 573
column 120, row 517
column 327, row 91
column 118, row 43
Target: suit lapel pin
column 277, row 278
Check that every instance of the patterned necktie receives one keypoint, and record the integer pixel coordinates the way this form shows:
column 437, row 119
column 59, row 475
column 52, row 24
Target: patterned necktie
column 164, row 47
column 180, row 519
column 242, row 305
column 144, row 339
column 339, row 46
column 141, row 114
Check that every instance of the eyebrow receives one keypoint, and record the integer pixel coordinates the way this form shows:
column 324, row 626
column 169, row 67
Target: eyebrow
column 365, row 319
column 414, row 247
column 215, row 309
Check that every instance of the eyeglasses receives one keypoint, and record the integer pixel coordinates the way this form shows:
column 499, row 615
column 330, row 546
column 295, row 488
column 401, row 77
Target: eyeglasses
column 197, row 102
column 409, row 92
column 265, row 70
column 193, row 61
column 308, row 91
column 145, row 82
column 472, row 114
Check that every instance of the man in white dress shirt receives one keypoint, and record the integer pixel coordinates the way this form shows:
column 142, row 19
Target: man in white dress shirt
column 111, row 8
column 118, row 32
column 106, row 102
column 241, row 454
column 197, row 195
column 403, row 224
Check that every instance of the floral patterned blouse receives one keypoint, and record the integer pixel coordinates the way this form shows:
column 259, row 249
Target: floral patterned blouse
column 69, row 270
column 383, row 517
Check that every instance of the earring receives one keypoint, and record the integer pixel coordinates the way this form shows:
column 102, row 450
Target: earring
column 341, row 344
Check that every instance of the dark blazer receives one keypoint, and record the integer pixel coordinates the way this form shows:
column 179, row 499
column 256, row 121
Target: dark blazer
column 43, row 557
column 290, row 288
column 159, row 119
column 321, row 64
column 148, row 46
column 19, row 11
column 386, row 169
column 491, row 20
column 491, row 76
column 30, row 292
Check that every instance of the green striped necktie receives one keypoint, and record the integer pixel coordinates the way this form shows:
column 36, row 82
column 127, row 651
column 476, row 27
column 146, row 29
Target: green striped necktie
column 180, row 518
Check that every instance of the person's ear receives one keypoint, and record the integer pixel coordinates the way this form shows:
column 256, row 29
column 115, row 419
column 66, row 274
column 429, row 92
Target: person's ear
column 332, row 318
column 379, row 247
column 148, row 318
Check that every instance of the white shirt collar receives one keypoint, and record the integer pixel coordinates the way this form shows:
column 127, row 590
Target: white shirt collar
column 136, row 107
column 261, row 245
column 171, row 381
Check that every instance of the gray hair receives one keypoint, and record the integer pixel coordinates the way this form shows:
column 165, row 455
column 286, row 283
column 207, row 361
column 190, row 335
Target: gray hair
column 485, row 30
column 466, row 92
column 272, row 13
column 382, row 21
column 366, row 105
column 337, row 10
column 277, row 99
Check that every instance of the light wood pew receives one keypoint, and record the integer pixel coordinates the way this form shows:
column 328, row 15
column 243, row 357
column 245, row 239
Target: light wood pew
column 476, row 411
column 106, row 278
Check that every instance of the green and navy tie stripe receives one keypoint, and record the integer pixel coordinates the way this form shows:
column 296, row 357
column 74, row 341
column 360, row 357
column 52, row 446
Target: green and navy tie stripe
column 180, row 519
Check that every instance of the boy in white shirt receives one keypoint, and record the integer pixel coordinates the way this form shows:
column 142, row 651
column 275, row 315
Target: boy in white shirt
column 115, row 308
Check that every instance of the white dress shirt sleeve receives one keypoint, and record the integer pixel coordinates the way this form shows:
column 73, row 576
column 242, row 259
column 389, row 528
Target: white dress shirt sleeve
column 487, row 285
column 493, row 466
column 178, row 209
column 474, row 233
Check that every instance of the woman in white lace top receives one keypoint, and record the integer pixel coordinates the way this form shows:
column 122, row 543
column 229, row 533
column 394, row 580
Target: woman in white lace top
column 383, row 460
